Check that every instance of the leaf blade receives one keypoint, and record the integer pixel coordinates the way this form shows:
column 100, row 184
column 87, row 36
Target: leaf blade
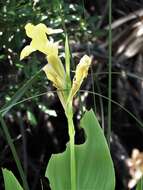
column 97, row 173
column 10, row 180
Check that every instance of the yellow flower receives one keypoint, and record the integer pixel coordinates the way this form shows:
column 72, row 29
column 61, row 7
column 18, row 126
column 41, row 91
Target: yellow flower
column 80, row 73
column 38, row 34
column 55, row 71
column 57, row 65
column 53, row 76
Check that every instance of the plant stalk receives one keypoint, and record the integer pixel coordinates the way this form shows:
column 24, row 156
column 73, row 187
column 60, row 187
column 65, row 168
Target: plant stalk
column 109, row 75
column 14, row 153
column 71, row 131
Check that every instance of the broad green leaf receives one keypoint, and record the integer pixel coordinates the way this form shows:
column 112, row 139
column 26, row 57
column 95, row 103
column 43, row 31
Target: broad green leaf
column 58, row 171
column 10, row 181
column 94, row 164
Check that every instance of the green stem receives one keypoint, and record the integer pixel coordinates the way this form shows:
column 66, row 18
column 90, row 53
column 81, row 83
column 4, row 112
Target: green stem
column 14, row 153
column 110, row 75
column 71, row 131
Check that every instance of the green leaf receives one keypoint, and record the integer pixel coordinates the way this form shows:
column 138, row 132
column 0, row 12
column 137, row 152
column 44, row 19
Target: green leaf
column 67, row 60
column 94, row 164
column 14, row 153
column 140, row 184
column 10, row 181
column 2, row 56
column 58, row 171
column 31, row 118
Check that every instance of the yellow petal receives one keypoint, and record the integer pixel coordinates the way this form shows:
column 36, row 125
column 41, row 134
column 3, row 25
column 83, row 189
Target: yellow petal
column 82, row 68
column 30, row 28
column 80, row 73
column 26, row 51
column 52, row 48
column 40, row 27
column 57, row 65
column 53, row 76
column 50, row 73
column 39, row 38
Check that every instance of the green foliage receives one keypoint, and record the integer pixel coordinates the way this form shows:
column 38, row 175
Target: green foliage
column 67, row 60
column 14, row 152
column 140, row 185
column 93, row 161
column 10, row 181
column 14, row 15
column 31, row 118
column 16, row 97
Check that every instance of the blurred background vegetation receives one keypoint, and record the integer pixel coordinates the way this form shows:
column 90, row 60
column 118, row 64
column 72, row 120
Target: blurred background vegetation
column 86, row 22
column 14, row 16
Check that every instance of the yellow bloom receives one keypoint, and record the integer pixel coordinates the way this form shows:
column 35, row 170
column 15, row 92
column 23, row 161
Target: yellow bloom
column 38, row 34
column 55, row 71
column 57, row 65
column 53, row 76
column 26, row 51
column 80, row 73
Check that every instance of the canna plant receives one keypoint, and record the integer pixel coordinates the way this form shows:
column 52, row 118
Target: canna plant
column 66, row 90
column 60, row 77
column 88, row 166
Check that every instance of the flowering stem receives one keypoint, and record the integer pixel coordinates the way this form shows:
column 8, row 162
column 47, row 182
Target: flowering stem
column 71, row 131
